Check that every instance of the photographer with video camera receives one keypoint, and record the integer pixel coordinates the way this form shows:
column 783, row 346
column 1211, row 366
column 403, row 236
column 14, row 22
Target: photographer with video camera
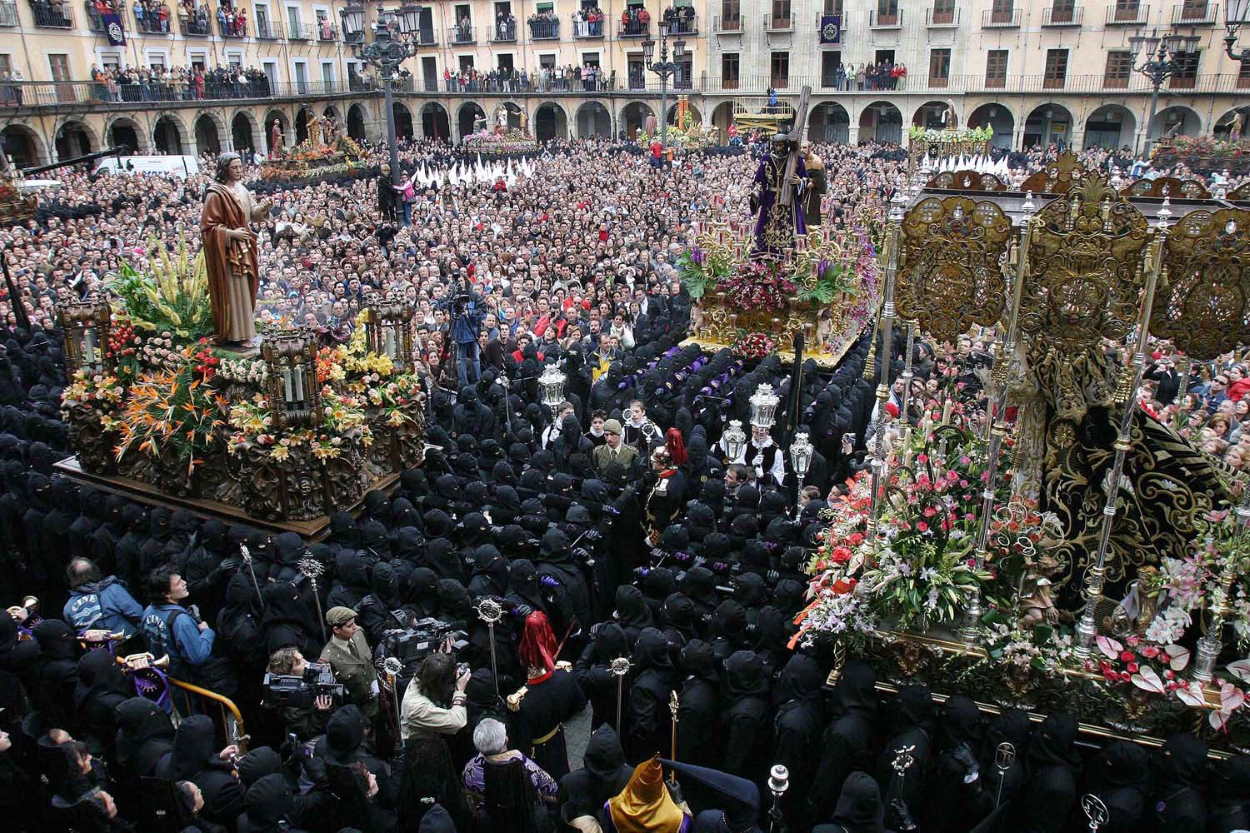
column 432, row 710
column 465, row 313
column 297, row 689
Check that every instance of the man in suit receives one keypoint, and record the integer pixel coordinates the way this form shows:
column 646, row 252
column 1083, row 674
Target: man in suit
column 351, row 660
column 614, row 459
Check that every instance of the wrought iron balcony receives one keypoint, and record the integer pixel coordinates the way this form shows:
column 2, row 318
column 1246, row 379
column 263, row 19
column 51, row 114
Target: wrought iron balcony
column 1195, row 14
column 48, row 16
column 301, row 31
column 1127, row 14
column 779, row 22
column 151, row 22
column 267, row 30
column 727, row 25
column 935, row 18
column 232, row 29
column 1000, row 19
column 461, row 34
column 1063, row 15
column 542, row 29
column 634, row 29
column 505, row 32
column 193, row 27
column 8, row 13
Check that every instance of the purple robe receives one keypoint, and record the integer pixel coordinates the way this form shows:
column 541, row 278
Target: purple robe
column 764, row 201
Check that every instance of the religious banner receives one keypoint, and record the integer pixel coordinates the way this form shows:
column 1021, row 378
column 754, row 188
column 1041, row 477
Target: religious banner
column 113, row 28
column 831, row 28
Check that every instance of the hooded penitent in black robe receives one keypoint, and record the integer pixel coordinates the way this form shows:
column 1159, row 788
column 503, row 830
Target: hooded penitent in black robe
column 797, row 724
column 1048, row 798
column 603, row 775
column 846, row 743
column 1179, row 805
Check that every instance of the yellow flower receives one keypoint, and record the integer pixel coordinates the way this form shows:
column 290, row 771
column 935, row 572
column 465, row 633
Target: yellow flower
column 280, row 452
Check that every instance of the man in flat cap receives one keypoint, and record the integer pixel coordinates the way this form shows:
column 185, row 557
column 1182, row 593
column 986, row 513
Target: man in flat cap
column 351, row 659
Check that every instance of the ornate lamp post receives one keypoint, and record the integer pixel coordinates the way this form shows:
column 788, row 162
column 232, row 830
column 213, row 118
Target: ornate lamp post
column 1159, row 62
column 86, row 324
column 1236, row 14
column 551, row 388
column 394, row 41
column 388, row 327
column 664, row 68
column 801, row 460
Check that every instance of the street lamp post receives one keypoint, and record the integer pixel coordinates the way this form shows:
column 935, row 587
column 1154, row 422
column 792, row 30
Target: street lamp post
column 664, row 67
column 1236, row 13
column 1159, row 63
column 394, row 41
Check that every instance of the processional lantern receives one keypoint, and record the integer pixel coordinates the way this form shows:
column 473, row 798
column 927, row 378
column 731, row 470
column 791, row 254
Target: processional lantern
column 291, row 356
column 734, row 439
column 551, row 388
column 87, row 324
column 388, row 327
column 764, row 407
column 353, row 22
column 801, row 454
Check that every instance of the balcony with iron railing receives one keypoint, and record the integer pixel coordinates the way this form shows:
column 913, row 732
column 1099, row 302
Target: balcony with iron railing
column 300, row 31
column 194, row 27
column 684, row 25
column 149, row 20
column 424, row 37
column 779, row 22
column 327, row 32
column 461, row 35
column 1127, row 14
column 48, row 16
column 633, row 28
column 505, row 32
column 584, row 29
column 232, row 28
column 1063, row 15
column 267, row 30
column 727, row 25
column 95, row 22
column 544, row 28
column 998, row 85
column 1195, row 14
column 1000, row 19
column 885, row 20
column 8, row 13
column 935, row 18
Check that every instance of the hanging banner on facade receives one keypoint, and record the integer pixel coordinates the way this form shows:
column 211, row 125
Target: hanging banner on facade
column 831, row 28
column 113, row 28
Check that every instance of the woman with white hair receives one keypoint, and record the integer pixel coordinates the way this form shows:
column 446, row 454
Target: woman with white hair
column 506, row 791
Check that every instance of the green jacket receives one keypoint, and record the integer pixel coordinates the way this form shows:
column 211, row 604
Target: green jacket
column 354, row 670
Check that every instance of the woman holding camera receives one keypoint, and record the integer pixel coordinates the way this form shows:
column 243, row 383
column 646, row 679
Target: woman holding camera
column 432, row 710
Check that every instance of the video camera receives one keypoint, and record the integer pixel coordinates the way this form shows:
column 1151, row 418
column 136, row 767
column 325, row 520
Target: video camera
column 412, row 644
column 299, row 691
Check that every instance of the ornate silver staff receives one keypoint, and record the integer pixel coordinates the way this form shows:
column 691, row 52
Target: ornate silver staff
column 902, row 762
column 1004, row 757
column 1095, row 811
column 312, row 568
column 778, row 783
column 490, row 612
column 246, row 555
column 674, row 705
column 391, row 666
column 619, row 668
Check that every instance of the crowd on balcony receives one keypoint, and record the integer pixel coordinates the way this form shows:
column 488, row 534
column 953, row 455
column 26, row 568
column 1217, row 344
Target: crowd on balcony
column 588, row 23
column 178, row 83
column 570, row 78
column 882, row 76
column 635, row 20
column 544, row 24
column 194, row 16
column 680, row 20
column 462, row 32
column 233, row 22
column 505, row 26
column 150, row 16
column 51, row 13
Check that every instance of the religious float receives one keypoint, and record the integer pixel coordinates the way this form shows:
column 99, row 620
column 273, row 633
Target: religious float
column 1066, row 550
column 760, row 282
column 280, row 436
column 325, row 154
column 685, row 133
column 1203, row 154
column 507, row 135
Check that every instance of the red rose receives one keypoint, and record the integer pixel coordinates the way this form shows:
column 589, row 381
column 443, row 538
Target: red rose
column 841, row 555
column 1127, row 656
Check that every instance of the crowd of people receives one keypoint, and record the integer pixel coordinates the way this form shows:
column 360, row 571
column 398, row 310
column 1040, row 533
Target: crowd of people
column 193, row 83
column 615, row 525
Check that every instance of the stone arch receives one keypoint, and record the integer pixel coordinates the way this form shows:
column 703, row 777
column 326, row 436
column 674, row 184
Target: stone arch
column 302, row 118
column 722, row 117
column 23, row 146
column 634, row 118
column 1000, row 118
column 467, row 115
column 1177, row 120
column 1048, row 123
column 330, row 112
column 243, row 133
column 829, row 122
column 169, row 135
column 434, row 121
column 1223, row 126
column 594, row 121
column 403, row 121
column 284, row 122
column 124, row 131
column 550, row 122
column 881, row 121
column 515, row 114
column 210, row 133
column 1110, row 126
column 74, row 137
column 932, row 114
column 356, row 122
column 696, row 117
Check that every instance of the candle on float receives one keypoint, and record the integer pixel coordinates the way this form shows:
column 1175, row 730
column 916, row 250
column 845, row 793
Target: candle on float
column 946, row 411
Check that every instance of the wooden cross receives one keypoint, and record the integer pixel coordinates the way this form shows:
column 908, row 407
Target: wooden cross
column 795, row 136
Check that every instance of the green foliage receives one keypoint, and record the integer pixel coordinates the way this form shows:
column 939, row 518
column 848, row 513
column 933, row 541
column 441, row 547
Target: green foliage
column 172, row 297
